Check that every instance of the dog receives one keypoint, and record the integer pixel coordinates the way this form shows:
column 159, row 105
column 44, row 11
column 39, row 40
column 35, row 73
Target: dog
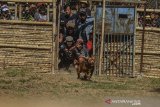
column 86, row 66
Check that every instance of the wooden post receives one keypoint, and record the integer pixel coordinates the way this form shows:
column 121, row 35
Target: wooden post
column 143, row 39
column 102, row 39
column 58, row 34
column 90, row 2
column 94, row 33
column 53, row 35
column 16, row 11
column 20, row 11
column 94, row 41
column 134, row 43
column 48, row 8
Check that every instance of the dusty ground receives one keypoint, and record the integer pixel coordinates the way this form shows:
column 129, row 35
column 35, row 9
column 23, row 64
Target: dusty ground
column 23, row 88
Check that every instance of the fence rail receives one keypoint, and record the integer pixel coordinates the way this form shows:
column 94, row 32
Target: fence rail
column 27, row 10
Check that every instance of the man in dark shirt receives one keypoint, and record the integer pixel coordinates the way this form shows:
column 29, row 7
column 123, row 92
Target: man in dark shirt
column 65, row 18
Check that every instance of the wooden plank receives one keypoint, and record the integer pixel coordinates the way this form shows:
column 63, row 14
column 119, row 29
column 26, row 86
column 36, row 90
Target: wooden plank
column 50, row 1
column 26, row 28
column 149, row 29
column 148, row 10
column 24, row 47
column 42, row 1
column 25, row 22
column 20, row 11
column 16, row 8
column 48, row 10
column 119, row 1
column 148, row 53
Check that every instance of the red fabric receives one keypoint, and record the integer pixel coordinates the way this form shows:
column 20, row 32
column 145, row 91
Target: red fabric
column 89, row 45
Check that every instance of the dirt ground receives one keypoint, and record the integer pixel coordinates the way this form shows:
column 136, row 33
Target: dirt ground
column 24, row 88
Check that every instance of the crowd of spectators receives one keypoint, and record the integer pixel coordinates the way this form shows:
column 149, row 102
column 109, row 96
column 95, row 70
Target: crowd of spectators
column 5, row 12
column 38, row 12
column 30, row 12
column 152, row 19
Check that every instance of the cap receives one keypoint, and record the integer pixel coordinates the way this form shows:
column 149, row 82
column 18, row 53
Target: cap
column 4, row 8
column 79, row 41
column 83, row 1
column 148, row 17
column 70, row 24
column 69, row 39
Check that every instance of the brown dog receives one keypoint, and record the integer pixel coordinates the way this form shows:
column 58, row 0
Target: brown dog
column 86, row 66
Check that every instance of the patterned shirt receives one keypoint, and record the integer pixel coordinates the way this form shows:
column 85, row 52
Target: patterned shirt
column 85, row 29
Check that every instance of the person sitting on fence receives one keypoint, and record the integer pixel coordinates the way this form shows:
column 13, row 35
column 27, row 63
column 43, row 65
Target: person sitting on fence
column 41, row 14
column 5, row 14
column 153, row 20
column 66, row 53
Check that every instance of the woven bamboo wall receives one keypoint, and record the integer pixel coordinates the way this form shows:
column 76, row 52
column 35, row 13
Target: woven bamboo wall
column 151, row 52
column 26, row 46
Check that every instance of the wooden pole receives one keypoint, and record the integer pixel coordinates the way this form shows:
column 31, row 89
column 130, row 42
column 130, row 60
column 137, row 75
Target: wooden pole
column 48, row 9
column 20, row 11
column 16, row 6
column 58, row 34
column 136, row 23
column 102, row 39
column 143, row 40
column 53, row 36
column 90, row 2
column 94, row 33
column 94, row 40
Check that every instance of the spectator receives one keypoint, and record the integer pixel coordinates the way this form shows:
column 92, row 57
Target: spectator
column 157, row 18
column 26, row 13
column 140, row 20
column 148, row 21
column 5, row 14
column 153, row 22
column 66, row 17
column 85, row 5
column 32, row 9
column 0, row 11
column 41, row 14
